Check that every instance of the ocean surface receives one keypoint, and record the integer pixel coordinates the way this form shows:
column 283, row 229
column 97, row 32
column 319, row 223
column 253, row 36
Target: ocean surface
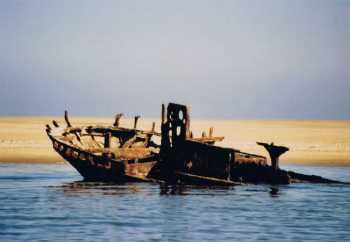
column 49, row 202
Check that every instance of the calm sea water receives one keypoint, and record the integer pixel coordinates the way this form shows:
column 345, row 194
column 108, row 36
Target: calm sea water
column 48, row 202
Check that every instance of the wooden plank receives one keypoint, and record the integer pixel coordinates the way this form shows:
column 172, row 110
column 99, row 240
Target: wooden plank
column 129, row 142
column 208, row 139
column 121, row 150
column 200, row 180
column 72, row 130
column 94, row 134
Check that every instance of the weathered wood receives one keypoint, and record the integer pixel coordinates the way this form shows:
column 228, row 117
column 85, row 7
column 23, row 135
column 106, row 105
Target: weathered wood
column 55, row 123
column 153, row 128
column 208, row 139
column 113, row 129
column 129, row 142
column 76, row 130
column 108, row 140
column 241, row 158
column 77, row 135
column 135, row 123
column 94, row 134
column 117, row 118
column 66, row 118
column 194, row 160
column 122, row 150
column 211, row 132
column 67, row 138
column 163, row 114
column 124, row 153
column 187, row 122
column 145, row 143
column 72, row 130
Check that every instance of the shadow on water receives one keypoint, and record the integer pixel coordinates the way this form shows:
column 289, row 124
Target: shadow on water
column 274, row 192
column 83, row 188
column 182, row 189
column 99, row 188
column 168, row 189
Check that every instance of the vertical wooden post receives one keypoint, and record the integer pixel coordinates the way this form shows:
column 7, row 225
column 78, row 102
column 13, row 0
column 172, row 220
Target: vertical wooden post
column 153, row 127
column 165, row 141
column 136, row 119
column 117, row 118
column 108, row 140
column 211, row 132
column 66, row 118
column 187, row 122
column 163, row 114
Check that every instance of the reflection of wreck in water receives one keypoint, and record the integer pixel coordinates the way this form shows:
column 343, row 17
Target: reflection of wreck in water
column 115, row 154
column 172, row 189
column 81, row 188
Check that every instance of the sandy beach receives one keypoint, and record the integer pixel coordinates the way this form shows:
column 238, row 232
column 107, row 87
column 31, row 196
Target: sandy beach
column 24, row 139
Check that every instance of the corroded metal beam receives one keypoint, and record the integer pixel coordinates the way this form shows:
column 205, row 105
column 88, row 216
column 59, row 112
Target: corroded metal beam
column 275, row 152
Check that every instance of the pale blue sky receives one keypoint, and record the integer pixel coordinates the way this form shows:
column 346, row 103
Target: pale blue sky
column 226, row 59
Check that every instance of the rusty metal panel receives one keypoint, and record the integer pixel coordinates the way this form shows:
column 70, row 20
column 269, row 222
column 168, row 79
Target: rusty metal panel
column 243, row 158
column 204, row 160
column 139, row 169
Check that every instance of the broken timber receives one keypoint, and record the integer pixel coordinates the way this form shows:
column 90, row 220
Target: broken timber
column 115, row 154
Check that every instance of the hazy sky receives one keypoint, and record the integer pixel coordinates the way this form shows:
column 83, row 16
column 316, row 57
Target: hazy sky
column 226, row 59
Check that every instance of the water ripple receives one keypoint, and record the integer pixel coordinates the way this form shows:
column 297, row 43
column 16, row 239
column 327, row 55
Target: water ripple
column 47, row 202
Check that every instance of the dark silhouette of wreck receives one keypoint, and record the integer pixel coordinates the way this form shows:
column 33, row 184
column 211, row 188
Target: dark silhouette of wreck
column 115, row 154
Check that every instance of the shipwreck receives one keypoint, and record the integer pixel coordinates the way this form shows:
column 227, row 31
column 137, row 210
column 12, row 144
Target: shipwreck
column 117, row 154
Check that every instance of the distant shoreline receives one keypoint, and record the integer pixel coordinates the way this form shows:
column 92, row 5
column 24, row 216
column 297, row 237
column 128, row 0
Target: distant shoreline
column 23, row 139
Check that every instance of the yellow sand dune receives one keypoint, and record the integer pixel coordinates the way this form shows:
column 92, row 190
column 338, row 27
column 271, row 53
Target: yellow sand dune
column 327, row 142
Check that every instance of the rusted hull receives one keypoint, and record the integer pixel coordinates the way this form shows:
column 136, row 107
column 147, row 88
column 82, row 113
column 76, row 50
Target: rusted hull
column 212, row 161
column 196, row 160
column 114, row 154
column 98, row 168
